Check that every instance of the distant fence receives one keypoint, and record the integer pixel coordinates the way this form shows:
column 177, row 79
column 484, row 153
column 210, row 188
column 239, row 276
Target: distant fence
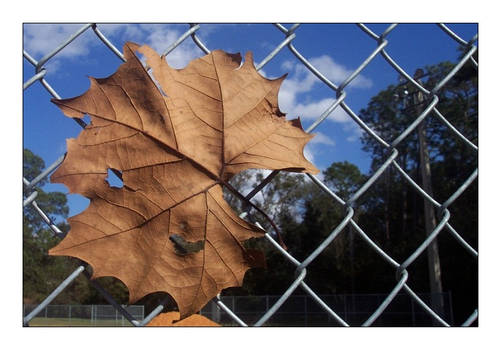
column 82, row 315
column 298, row 310
column 303, row 310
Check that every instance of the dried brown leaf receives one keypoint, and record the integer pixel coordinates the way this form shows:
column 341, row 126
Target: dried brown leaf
column 168, row 228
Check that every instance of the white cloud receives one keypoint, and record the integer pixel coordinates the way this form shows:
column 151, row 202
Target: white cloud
column 303, row 81
column 337, row 73
column 297, row 98
column 287, row 65
column 309, row 153
column 322, row 139
column 300, row 82
column 41, row 39
column 160, row 37
column 313, row 110
column 355, row 130
column 251, row 181
column 314, row 147
column 352, row 138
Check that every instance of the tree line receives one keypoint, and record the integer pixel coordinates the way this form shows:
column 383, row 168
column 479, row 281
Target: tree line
column 391, row 212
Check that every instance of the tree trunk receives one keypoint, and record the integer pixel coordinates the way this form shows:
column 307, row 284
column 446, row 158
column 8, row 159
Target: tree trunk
column 387, row 207
column 404, row 198
column 434, row 270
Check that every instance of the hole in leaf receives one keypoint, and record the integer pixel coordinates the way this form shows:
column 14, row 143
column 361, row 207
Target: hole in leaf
column 115, row 178
column 86, row 119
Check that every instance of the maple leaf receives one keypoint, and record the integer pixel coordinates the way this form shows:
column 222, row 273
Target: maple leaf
column 168, row 227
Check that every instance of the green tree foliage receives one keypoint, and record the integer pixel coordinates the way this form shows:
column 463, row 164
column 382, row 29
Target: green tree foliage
column 305, row 216
column 397, row 208
column 43, row 273
column 281, row 199
column 391, row 211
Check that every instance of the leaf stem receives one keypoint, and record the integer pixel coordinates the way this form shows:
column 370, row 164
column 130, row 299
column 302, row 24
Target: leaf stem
column 259, row 210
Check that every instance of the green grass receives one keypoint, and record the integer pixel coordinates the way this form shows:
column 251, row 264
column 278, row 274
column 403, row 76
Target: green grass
column 76, row 322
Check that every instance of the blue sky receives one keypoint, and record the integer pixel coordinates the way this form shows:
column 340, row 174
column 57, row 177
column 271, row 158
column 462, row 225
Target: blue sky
column 335, row 50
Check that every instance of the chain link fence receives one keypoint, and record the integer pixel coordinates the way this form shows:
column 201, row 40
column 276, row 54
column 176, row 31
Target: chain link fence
column 333, row 311
column 304, row 311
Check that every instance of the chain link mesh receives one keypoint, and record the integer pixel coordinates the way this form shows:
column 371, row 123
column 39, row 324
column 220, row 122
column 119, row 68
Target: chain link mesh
column 340, row 93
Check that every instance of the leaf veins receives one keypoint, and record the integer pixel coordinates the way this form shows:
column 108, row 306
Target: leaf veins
column 168, row 228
